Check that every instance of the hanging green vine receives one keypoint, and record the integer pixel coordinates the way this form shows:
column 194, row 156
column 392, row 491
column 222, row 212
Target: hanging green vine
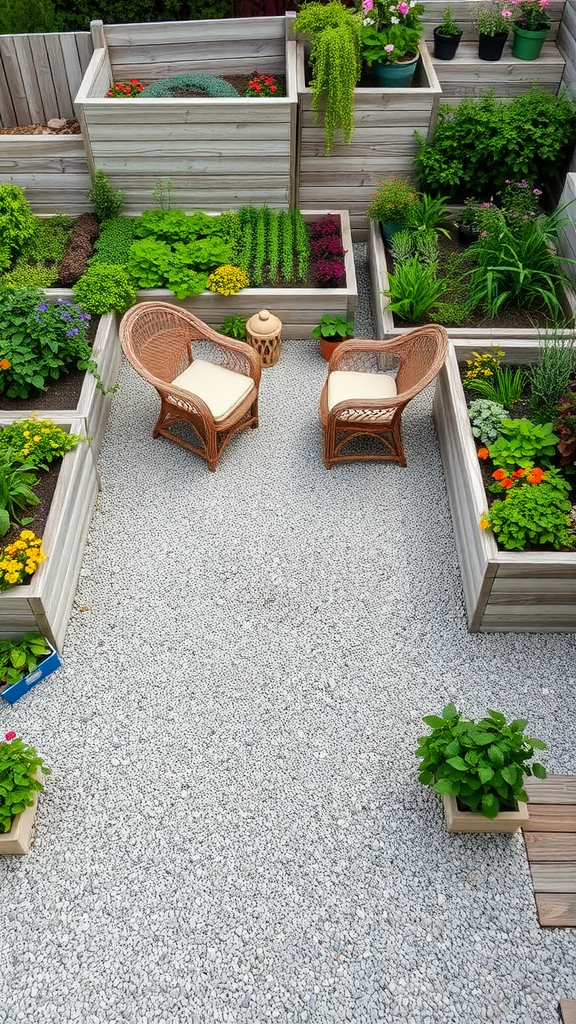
column 334, row 32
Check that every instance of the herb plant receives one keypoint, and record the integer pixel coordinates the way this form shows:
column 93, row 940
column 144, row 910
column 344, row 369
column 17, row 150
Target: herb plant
column 334, row 328
column 36, row 441
column 234, row 327
column 17, row 223
column 482, row 764
column 414, row 290
column 105, row 288
column 486, row 418
column 550, row 377
column 402, row 246
column 114, row 241
column 537, row 514
column 448, row 26
column 21, row 656
column 504, row 386
column 19, row 764
column 17, row 482
column 523, row 443
column 107, row 201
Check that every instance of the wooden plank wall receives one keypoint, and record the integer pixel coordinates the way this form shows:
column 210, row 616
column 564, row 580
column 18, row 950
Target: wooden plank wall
column 567, row 46
column 218, row 153
column 40, row 75
column 52, row 169
column 567, row 234
column 383, row 143
column 463, row 11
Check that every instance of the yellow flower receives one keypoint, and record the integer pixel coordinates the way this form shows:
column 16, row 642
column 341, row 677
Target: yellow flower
column 11, row 577
column 37, row 438
column 484, row 522
column 27, row 535
column 30, row 567
column 26, row 433
column 19, row 545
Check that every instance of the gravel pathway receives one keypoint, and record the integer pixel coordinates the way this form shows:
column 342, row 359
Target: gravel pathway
column 233, row 831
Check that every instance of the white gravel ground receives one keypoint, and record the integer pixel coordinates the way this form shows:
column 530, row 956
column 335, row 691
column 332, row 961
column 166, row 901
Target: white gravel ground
column 233, row 831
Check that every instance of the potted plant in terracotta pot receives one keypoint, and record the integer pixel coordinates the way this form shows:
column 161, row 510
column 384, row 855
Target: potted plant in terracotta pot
column 493, row 21
column 479, row 768
column 332, row 331
column 20, row 772
column 447, row 37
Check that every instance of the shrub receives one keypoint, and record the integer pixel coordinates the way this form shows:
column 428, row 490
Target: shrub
column 20, row 17
column 19, row 764
column 482, row 141
column 105, row 288
column 393, row 202
column 234, row 327
column 334, row 33
column 30, row 275
column 17, row 223
column 107, row 201
column 38, row 341
column 537, row 514
column 49, row 240
column 413, row 290
column 482, row 763
column 36, row 442
column 20, row 560
column 227, row 280
column 486, row 418
column 522, row 443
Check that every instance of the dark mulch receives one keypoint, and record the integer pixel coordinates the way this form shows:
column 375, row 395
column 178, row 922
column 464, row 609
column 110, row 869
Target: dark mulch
column 511, row 316
column 239, row 82
column 45, row 491
column 63, row 394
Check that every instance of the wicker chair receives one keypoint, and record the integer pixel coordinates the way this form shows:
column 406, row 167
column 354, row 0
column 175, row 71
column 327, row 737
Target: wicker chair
column 361, row 397
column 217, row 399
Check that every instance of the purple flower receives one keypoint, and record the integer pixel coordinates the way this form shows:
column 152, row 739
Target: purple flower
column 71, row 332
column 42, row 307
column 537, row 191
column 522, row 184
column 389, row 48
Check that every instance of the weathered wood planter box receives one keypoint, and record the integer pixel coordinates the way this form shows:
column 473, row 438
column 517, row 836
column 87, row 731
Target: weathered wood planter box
column 383, row 142
column 44, row 605
column 92, row 407
column 299, row 309
column 385, row 327
column 218, row 153
column 52, row 169
column 504, row 591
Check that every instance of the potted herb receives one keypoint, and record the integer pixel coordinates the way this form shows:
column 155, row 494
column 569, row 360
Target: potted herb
column 20, row 773
column 393, row 204
column 478, row 768
column 234, row 327
column 531, row 26
column 332, row 331
column 493, row 21
column 24, row 662
column 389, row 40
column 447, row 37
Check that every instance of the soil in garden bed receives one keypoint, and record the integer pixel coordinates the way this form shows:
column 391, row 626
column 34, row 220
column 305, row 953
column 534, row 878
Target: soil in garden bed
column 511, row 316
column 62, row 394
column 58, row 126
column 47, row 480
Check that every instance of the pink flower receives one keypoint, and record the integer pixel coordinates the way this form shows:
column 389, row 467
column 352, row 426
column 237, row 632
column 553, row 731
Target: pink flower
column 10, row 736
column 506, row 13
column 367, row 5
column 537, row 191
column 389, row 47
column 544, row 3
column 403, row 7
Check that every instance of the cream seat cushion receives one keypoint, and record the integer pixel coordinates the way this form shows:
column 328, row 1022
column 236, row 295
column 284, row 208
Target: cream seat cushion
column 221, row 389
column 352, row 386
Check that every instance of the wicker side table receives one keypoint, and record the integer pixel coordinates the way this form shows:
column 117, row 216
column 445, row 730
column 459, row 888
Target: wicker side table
column 264, row 334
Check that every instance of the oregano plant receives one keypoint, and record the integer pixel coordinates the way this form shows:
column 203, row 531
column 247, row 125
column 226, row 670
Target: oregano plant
column 482, row 764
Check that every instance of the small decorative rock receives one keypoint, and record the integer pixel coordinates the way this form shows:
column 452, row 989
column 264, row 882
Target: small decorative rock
column 56, row 123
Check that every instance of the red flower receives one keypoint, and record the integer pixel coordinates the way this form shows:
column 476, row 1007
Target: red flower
column 10, row 736
column 273, row 88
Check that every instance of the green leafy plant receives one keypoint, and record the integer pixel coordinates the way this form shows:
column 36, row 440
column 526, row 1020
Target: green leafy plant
column 482, row 764
column 334, row 33
column 523, row 443
column 448, row 26
column 493, row 17
column 234, row 327
column 402, row 246
column 394, row 202
column 550, row 377
column 259, row 259
column 427, row 248
column 17, row 482
column 21, row 17
column 48, row 242
column 39, row 341
column 413, row 290
column 480, row 142
column 430, row 214
column 505, row 386
column 486, row 418
column 105, row 288
column 107, row 201
column 301, row 245
column 36, row 442
column 19, row 765
column 30, row 275
column 17, row 223
column 114, row 241
column 19, row 657
column 333, row 327
column 286, row 247
column 536, row 515
column 273, row 246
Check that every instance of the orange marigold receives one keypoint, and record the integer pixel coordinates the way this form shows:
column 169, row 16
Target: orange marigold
column 535, row 476
column 484, row 522
column 498, row 474
column 518, row 473
column 4, row 364
column 483, row 453
column 508, row 482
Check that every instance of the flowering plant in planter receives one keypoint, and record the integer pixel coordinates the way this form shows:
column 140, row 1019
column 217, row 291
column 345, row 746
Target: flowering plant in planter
column 390, row 31
column 263, row 85
column 20, row 560
column 531, row 14
column 494, row 18
column 19, row 764
column 125, row 89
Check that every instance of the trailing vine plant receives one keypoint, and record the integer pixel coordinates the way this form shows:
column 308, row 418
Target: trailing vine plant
column 334, row 33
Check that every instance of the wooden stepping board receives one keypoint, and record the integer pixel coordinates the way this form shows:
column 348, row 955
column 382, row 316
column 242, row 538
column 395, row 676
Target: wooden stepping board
column 550, row 837
column 568, row 1011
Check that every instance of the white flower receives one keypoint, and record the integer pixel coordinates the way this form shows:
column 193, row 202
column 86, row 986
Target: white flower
column 368, row 21
column 394, row 21
column 413, row 3
column 393, row 8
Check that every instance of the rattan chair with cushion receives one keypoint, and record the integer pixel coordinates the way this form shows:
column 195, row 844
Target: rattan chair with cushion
column 369, row 384
column 216, row 398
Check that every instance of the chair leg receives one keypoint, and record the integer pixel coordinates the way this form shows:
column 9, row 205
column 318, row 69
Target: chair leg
column 254, row 413
column 327, row 447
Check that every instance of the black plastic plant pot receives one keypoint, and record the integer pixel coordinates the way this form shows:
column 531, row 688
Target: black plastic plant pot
column 490, row 47
column 445, row 46
column 467, row 234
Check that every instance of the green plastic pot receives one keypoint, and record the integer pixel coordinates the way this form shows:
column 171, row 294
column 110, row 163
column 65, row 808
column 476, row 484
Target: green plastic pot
column 528, row 43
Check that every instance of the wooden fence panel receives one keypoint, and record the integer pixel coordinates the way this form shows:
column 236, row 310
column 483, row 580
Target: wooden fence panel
column 40, row 75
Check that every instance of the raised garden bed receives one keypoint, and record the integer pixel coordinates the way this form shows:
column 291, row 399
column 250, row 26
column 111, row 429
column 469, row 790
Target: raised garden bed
column 91, row 407
column 218, row 153
column 386, row 327
column 504, row 591
column 383, row 142
column 44, row 605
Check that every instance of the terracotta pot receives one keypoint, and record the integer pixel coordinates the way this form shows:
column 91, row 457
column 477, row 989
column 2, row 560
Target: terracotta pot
column 469, row 821
column 328, row 346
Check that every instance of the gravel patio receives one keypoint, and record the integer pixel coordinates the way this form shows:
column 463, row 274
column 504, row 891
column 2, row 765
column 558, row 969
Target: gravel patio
column 233, row 831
